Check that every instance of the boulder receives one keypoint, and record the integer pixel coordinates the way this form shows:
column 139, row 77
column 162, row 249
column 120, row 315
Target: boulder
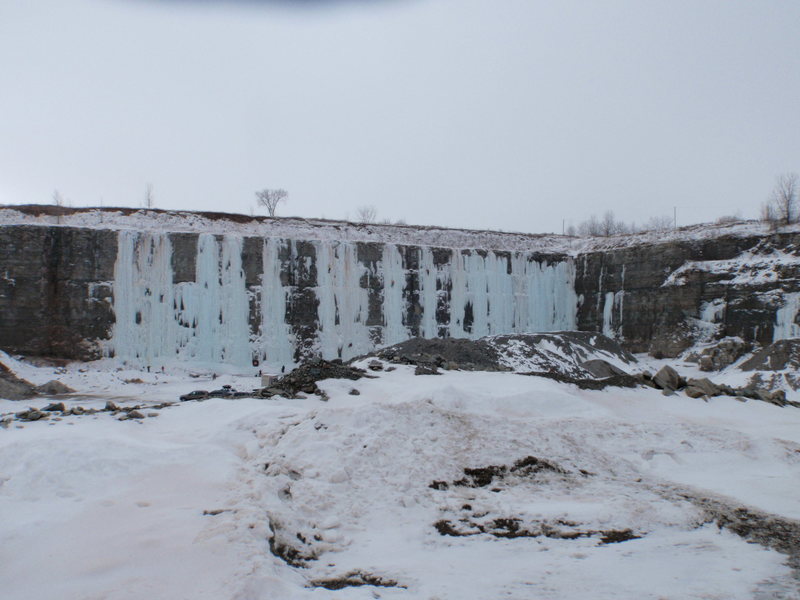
column 423, row 369
column 694, row 392
column 601, row 368
column 667, row 378
column 12, row 387
column 723, row 354
column 53, row 388
column 30, row 415
column 16, row 389
column 778, row 397
column 708, row 388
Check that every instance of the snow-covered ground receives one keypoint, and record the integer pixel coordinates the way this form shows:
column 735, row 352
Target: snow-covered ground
column 416, row 235
column 93, row 507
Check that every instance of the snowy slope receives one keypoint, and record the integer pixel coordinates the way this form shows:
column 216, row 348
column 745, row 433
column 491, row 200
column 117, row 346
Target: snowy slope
column 98, row 508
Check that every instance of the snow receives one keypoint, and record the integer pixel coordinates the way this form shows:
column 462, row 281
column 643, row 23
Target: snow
column 752, row 267
column 98, row 508
column 415, row 235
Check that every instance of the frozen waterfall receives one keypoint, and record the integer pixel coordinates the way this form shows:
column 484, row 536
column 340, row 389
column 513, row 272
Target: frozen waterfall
column 786, row 326
column 339, row 299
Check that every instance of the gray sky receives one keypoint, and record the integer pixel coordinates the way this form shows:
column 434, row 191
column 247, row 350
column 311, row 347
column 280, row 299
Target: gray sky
column 505, row 114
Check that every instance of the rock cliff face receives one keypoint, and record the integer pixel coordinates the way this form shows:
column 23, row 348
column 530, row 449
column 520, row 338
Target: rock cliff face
column 55, row 289
column 150, row 296
column 664, row 297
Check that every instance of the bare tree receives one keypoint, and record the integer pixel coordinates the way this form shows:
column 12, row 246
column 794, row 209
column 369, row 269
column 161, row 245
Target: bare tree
column 366, row 214
column 781, row 208
column 769, row 215
column 590, row 227
column 149, row 198
column 608, row 225
column 58, row 199
column 660, row 223
column 269, row 199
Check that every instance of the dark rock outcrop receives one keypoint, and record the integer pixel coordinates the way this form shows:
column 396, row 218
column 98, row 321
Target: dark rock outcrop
column 720, row 355
column 780, row 355
column 14, row 388
column 305, row 377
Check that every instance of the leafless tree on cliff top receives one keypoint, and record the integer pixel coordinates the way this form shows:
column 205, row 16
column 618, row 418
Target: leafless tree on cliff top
column 366, row 214
column 269, row 199
column 149, row 198
column 782, row 206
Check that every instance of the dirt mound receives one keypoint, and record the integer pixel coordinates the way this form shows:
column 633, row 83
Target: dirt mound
column 304, row 378
column 561, row 353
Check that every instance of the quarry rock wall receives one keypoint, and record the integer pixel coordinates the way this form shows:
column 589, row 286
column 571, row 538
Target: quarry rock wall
column 153, row 297
column 150, row 298
column 663, row 298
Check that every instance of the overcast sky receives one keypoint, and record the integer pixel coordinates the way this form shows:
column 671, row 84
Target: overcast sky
column 503, row 114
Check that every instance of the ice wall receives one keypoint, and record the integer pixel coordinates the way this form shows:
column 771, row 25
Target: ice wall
column 159, row 322
column 342, row 299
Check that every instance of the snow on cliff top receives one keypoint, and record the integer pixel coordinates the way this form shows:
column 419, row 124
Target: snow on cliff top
column 321, row 229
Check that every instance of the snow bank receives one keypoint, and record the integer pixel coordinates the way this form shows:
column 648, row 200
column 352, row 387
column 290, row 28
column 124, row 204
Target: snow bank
column 185, row 504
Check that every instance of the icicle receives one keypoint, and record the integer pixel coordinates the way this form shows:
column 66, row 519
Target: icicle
column 143, row 332
column 394, row 305
column 428, row 294
column 343, row 303
column 458, row 295
column 608, row 308
column 277, row 342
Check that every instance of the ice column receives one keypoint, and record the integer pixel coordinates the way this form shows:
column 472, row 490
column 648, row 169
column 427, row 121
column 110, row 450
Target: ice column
column 277, row 342
column 429, row 294
column 213, row 310
column 608, row 315
column 785, row 319
column 544, row 295
column 143, row 332
column 343, row 303
column 394, row 305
